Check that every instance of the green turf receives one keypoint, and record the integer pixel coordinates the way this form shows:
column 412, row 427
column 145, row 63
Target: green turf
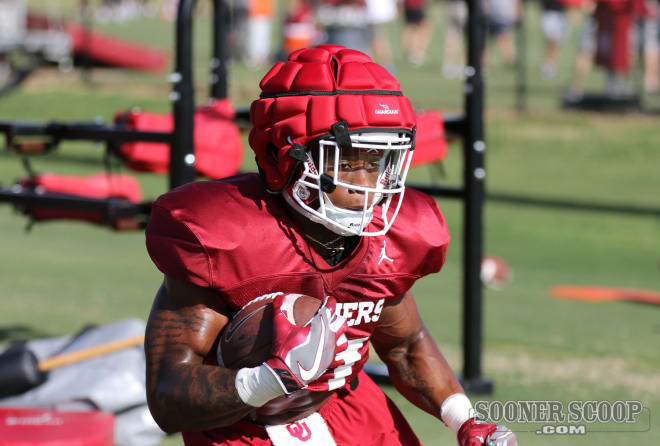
column 61, row 276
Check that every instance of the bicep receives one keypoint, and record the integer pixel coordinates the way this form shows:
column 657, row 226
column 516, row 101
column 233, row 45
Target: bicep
column 399, row 326
column 184, row 322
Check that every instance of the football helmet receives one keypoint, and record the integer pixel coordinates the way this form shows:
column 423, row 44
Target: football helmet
column 334, row 134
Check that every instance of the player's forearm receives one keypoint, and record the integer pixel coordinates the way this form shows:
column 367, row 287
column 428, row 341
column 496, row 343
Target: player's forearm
column 195, row 397
column 420, row 372
column 183, row 393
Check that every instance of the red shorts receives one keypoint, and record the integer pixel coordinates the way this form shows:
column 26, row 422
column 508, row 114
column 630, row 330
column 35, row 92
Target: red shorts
column 364, row 416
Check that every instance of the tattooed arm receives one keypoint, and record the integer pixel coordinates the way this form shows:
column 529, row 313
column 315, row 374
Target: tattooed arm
column 416, row 366
column 183, row 393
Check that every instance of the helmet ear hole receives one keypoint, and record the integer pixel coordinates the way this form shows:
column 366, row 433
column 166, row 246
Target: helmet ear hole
column 272, row 152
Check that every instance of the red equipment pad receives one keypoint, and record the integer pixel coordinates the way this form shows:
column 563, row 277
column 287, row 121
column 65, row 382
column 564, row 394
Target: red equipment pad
column 218, row 144
column 100, row 185
column 574, row 3
column 102, row 48
column 430, row 141
column 115, row 52
column 41, row 427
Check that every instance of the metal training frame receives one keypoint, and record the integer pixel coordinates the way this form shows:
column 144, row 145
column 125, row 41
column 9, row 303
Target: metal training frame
column 470, row 127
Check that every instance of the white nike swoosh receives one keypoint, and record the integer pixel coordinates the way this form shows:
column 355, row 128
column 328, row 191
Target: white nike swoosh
column 306, row 375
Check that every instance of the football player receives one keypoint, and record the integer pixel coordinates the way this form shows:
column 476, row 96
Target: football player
column 326, row 216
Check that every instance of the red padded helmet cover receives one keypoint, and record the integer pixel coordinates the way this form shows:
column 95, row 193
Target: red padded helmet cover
column 316, row 88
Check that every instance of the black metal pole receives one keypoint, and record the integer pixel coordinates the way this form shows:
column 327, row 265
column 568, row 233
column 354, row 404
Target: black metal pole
column 474, row 174
column 219, row 60
column 182, row 159
column 521, row 59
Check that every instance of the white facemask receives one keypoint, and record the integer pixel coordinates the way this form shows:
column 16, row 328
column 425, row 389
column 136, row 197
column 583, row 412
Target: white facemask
column 382, row 158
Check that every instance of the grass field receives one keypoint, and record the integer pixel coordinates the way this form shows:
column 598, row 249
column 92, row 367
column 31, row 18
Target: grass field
column 61, row 276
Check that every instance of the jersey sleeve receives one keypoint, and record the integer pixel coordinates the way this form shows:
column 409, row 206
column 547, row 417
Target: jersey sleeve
column 438, row 241
column 175, row 249
column 431, row 234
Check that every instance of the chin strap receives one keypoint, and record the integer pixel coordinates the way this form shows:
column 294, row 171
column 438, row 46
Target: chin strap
column 316, row 219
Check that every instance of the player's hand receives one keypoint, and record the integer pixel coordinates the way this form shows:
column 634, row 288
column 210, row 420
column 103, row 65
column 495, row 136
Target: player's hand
column 473, row 433
column 301, row 355
column 342, row 369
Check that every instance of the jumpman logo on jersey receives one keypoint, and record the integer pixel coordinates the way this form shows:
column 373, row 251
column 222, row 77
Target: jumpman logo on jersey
column 383, row 254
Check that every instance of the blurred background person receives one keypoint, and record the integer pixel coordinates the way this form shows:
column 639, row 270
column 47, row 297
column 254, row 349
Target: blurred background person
column 554, row 25
column 649, row 28
column 585, row 55
column 615, row 47
column 238, row 30
column 168, row 10
column 453, row 61
column 259, row 32
column 381, row 13
column 299, row 28
column 501, row 17
column 417, row 31
column 609, row 40
column 121, row 11
column 346, row 22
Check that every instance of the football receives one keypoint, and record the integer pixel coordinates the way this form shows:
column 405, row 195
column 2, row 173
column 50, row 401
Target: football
column 495, row 272
column 246, row 340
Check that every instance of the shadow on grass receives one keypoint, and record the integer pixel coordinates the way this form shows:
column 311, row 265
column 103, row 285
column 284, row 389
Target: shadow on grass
column 10, row 333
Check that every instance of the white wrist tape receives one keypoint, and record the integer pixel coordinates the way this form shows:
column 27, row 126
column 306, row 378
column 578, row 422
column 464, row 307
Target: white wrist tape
column 257, row 385
column 456, row 410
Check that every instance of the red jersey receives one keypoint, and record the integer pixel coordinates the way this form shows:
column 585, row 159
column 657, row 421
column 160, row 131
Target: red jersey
column 235, row 238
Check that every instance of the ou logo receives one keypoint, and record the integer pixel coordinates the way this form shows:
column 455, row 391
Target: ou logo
column 299, row 430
